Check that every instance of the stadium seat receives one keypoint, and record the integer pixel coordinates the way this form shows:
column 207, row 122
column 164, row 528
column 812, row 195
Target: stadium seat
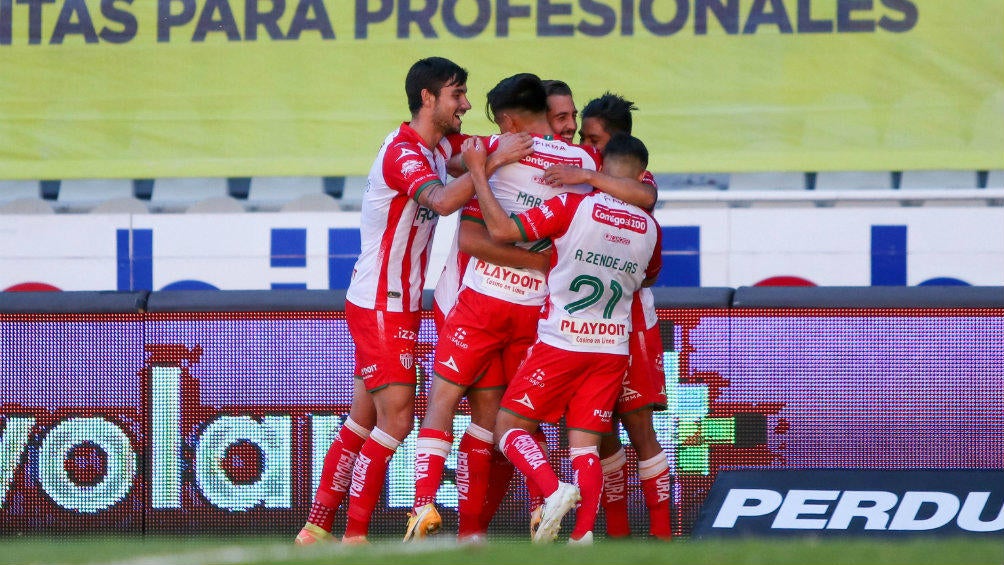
column 785, row 180
column 852, row 180
column 691, row 181
column 14, row 189
column 176, row 194
column 29, row 205
column 274, row 192
column 938, row 179
column 216, row 205
column 995, row 179
column 127, row 205
column 319, row 202
column 83, row 194
column 352, row 194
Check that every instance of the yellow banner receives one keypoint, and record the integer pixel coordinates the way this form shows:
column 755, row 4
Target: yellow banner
column 156, row 88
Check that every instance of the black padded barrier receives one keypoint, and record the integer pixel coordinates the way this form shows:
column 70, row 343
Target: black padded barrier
column 73, row 302
column 279, row 300
column 700, row 297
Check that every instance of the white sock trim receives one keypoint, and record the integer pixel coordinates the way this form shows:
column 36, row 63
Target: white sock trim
column 653, row 467
column 477, row 432
column 384, row 439
column 574, row 452
column 434, row 446
column 615, row 462
column 356, row 428
column 505, row 438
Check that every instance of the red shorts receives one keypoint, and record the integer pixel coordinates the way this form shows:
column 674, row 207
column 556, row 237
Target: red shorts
column 385, row 345
column 483, row 340
column 645, row 383
column 582, row 387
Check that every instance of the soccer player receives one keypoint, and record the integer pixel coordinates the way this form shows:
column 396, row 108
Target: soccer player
column 494, row 318
column 561, row 111
column 644, row 389
column 405, row 196
column 605, row 250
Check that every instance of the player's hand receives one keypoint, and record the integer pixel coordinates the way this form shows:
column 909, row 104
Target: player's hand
column 513, row 147
column 544, row 259
column 474, row 153
column 557, row 175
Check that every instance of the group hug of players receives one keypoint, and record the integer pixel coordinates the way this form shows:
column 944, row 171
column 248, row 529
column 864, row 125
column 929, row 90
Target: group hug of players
column 542, row 313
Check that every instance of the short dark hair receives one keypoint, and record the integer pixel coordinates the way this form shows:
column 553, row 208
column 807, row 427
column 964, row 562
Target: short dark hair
column 557, row 87
column 432, row 74
column 613, row 110
column 523, row 91
column 626, row 145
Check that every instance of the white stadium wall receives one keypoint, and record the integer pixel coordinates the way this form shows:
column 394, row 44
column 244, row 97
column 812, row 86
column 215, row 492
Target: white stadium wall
column 727, row 247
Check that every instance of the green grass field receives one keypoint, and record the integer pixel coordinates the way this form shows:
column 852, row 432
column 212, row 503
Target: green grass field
column 207, row 551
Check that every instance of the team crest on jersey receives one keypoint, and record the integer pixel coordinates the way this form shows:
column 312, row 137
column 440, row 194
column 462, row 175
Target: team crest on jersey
column 407, row 360
column 410, row 167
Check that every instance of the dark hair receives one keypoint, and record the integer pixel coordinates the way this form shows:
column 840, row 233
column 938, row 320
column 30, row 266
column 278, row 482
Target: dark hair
column 613, row 110
column 626, row 145
column 524, row 91
column 432, row 74
column 556, row 87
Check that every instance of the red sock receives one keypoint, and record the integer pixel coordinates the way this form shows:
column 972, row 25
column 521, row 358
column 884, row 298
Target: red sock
column 657, row 486
column 534, row 497
column 336, row 474
column 431, row 450
column 520, row 448
column 614, row 501
column 589, row 478
column 368, row 476
column 474, row 463
column 498, row 486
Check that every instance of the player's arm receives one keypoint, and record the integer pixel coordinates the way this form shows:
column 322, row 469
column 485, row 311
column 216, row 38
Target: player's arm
column 499, row 224
column 447, row 199
column 654, row 262
column 632, row 191
column 476, row 241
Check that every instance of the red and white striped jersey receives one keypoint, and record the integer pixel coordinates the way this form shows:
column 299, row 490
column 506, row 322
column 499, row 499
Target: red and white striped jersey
column 519, row 187
column 603, row 250
column 396, row 231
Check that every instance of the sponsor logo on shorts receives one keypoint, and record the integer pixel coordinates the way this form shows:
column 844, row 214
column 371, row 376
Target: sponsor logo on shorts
column 459, row 338
column 537, row 377
column 629, row 393
column 407, row 334
column 525, row 401
column 451, row 364
column 604, row 415
column 368, row 370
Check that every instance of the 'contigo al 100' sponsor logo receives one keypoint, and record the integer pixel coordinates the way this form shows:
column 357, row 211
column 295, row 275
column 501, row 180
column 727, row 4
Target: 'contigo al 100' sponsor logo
column 848, row 509
column 543, row 161
column 619, row 218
